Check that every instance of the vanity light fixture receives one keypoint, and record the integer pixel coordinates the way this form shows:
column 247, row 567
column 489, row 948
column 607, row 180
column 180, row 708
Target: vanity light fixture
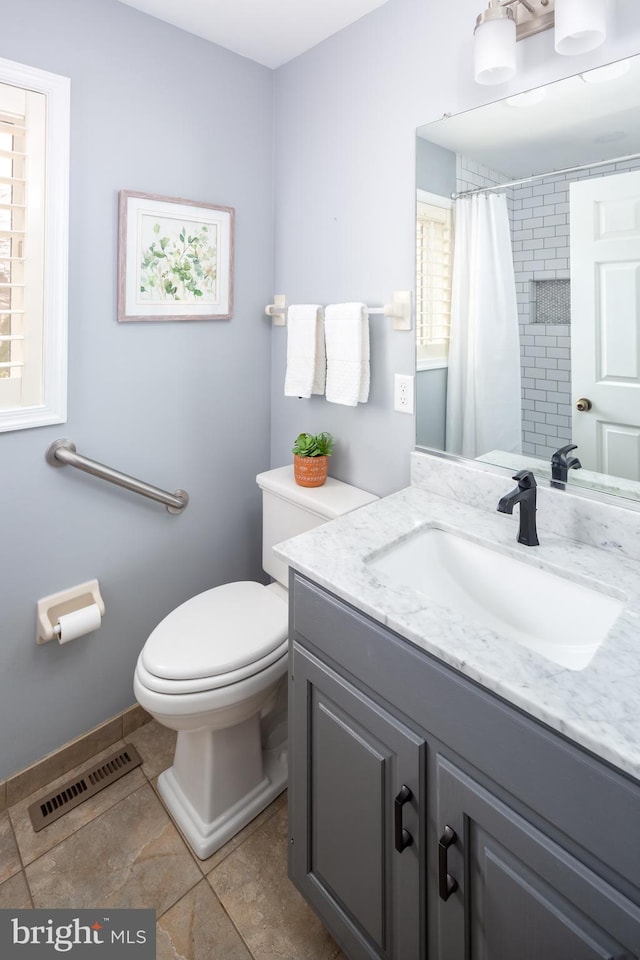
column 495, row 44
column 580, row 26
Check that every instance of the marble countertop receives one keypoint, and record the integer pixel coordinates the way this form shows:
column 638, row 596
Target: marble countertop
column 597, row 707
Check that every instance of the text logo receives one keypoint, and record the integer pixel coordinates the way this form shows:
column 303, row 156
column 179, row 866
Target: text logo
column 79, row 934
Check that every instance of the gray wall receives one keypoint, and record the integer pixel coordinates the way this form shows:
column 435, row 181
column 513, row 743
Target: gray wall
column 435, row 168
column 431, row 408
column 157, row 110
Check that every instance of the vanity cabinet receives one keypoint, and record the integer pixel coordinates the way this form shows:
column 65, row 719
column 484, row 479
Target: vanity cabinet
column 357, row 857
column 430, row 820
column 520, row 895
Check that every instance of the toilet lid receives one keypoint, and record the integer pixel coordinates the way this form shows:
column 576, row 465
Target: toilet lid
column 220, row 630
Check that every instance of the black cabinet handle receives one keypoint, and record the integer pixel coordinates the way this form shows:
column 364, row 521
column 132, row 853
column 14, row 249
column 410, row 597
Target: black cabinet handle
column 403, row 838
column 446, row 883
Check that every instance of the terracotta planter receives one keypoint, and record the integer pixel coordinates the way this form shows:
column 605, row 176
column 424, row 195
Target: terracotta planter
column 310, row 471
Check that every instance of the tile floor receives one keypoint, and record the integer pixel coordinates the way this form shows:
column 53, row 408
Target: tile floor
column 121, row 849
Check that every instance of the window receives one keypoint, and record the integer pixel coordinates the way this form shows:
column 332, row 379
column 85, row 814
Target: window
column 434, row 252
column 34, row 162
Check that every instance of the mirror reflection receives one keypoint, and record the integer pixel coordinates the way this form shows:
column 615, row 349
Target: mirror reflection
column 528, row 281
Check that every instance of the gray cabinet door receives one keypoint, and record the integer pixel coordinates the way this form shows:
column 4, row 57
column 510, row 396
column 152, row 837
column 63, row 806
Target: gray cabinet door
column 349, row 760
column 520, row 895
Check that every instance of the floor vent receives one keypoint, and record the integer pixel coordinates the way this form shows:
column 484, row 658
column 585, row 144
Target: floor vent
column 53, row 806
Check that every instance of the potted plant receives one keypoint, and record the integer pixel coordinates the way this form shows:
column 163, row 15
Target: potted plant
column 311, row 458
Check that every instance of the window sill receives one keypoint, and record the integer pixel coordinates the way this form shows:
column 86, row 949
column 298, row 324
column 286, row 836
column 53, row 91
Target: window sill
column 435, row 364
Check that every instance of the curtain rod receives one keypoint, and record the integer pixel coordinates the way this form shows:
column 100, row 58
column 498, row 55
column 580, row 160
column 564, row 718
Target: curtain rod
column 542, row 176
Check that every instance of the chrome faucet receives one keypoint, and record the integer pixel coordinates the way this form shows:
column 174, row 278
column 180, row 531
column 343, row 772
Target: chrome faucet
column 525, row 495
column 561, row 463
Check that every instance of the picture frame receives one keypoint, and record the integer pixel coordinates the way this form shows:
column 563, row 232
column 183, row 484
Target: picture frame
column 175, row 258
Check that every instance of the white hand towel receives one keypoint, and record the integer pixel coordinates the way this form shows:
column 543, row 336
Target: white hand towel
column 346, row 327
column 306, row 359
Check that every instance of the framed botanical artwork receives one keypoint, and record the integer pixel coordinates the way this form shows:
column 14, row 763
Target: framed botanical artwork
column 175, row 259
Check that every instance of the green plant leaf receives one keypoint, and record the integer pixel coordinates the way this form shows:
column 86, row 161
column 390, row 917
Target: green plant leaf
column 307, row 445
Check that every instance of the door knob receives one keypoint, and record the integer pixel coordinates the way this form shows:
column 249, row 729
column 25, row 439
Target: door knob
column 583, row 404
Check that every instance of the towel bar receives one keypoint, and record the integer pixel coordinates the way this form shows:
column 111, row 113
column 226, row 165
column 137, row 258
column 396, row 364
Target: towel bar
column 63, row 452
column 399, row 310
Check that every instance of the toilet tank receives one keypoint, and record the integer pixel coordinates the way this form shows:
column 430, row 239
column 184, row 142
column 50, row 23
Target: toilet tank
column 289, row 509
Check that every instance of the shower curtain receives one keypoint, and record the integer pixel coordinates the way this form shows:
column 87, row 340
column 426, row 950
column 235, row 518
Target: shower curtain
column 483, row 388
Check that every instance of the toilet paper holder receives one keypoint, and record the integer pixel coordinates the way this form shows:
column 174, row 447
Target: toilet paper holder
column 51, row 608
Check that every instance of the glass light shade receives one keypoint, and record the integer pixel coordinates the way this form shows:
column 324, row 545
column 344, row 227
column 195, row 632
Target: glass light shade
column 580, row 25
column 495, row 51
column 528, row 99
column 609, row 72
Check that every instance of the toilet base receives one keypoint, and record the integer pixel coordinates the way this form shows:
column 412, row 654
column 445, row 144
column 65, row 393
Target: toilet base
column 206, row 836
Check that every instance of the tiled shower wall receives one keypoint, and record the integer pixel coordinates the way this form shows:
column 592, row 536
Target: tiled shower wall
column 539, row 214
column 540, row 233
column 470, row 175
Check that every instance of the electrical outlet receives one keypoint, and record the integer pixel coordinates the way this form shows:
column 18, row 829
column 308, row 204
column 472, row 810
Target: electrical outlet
column 403, row 393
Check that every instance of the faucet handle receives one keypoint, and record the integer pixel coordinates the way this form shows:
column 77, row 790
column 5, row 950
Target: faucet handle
column 525, row 478
column 562, row 452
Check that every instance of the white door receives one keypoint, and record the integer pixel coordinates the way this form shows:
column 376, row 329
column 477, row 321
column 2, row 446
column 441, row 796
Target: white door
column 605, row 323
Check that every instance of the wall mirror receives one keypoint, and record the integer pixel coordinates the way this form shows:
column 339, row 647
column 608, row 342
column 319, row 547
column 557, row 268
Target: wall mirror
column 528, row 282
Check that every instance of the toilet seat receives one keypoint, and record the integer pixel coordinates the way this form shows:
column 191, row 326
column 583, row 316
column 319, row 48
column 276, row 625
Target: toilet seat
column 216, row 638
column 203, row 684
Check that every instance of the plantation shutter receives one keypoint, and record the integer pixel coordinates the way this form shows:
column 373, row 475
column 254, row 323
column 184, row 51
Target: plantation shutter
column 22, row 187
column 434, row 249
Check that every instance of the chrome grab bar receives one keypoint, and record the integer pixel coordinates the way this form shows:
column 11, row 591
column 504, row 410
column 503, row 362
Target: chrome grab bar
column 63, row 452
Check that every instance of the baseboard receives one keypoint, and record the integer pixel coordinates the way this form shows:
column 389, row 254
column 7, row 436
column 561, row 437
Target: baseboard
column 60, row 761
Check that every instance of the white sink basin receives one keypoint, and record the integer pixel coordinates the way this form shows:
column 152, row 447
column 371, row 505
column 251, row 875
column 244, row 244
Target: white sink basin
column 563, row 620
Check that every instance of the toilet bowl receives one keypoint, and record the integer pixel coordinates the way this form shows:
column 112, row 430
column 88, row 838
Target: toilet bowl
column 211, row 670
column 215, row 669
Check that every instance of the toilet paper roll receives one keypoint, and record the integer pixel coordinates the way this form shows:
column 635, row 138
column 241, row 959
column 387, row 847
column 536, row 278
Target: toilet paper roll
column 79, row 622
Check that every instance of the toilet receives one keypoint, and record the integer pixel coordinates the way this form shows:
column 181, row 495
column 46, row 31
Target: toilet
column 215, row 670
